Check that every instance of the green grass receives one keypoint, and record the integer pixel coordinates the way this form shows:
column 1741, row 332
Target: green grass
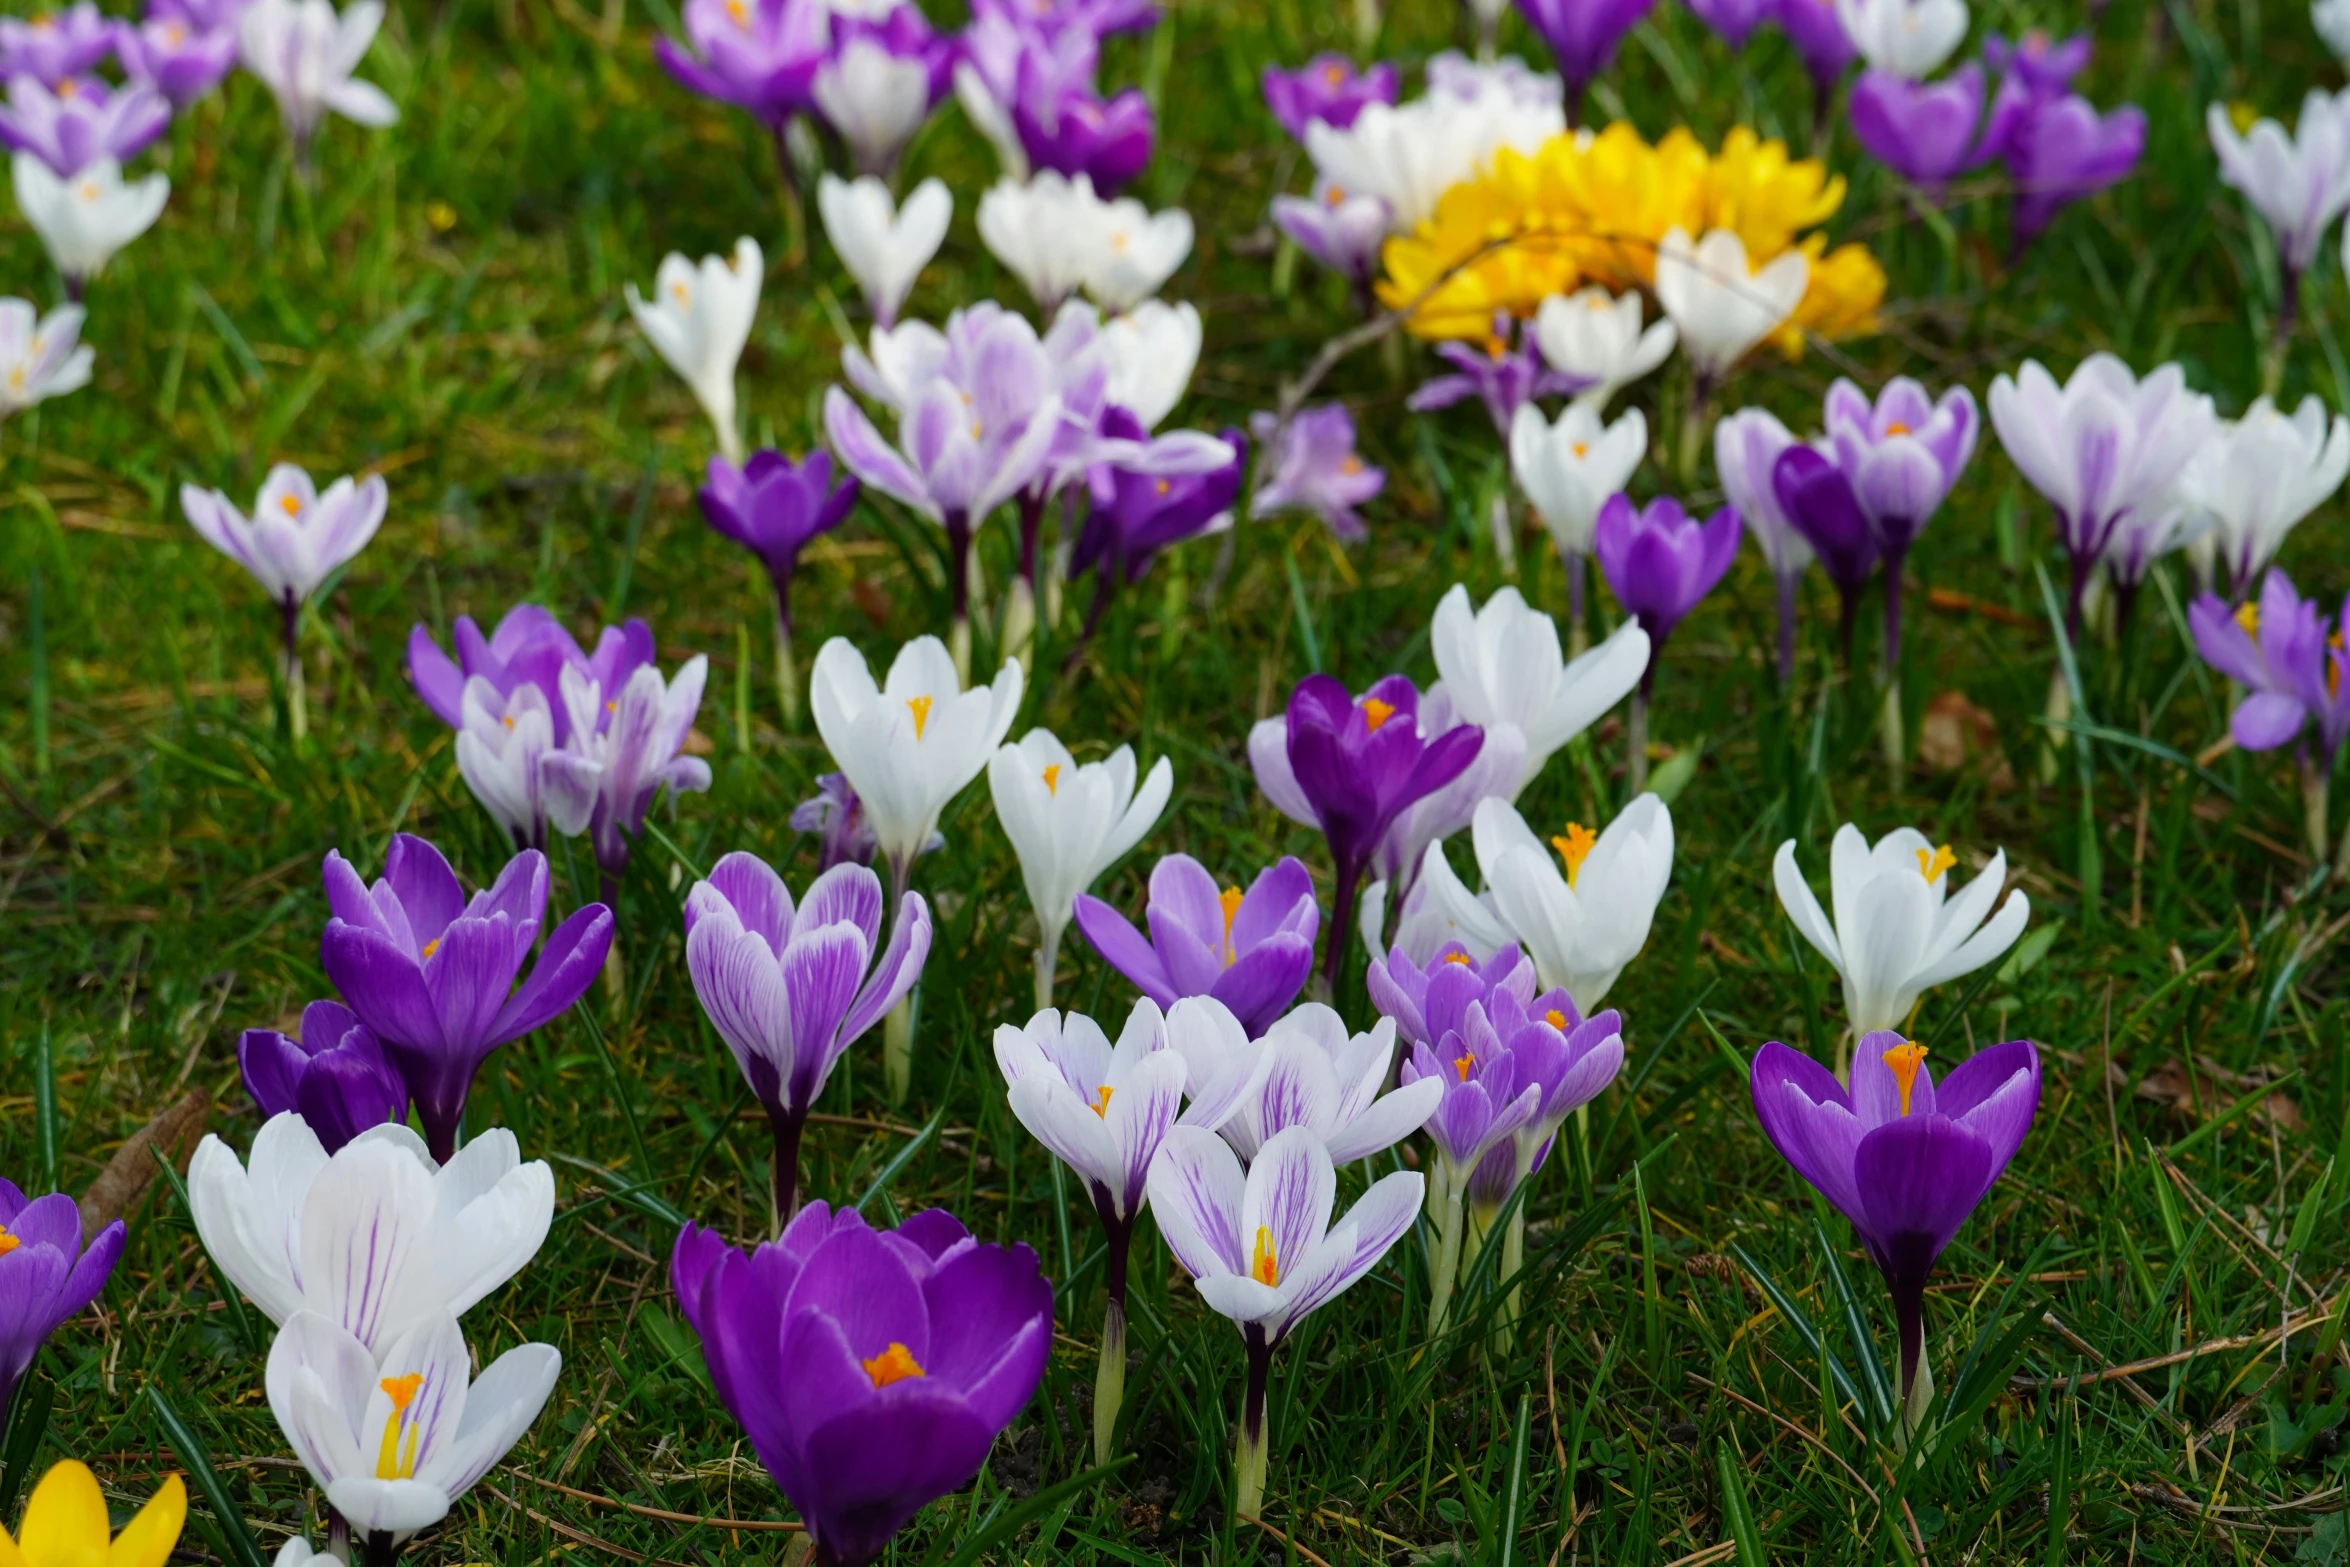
column 158, row 864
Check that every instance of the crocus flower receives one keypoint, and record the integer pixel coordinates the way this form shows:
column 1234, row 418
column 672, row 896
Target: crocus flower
column 2331, row 19
column 1582, row 35
column 47, row 1276
column 759, row 55
column 628, row 744
column 1817, row 500
column 335, row 1076
column 1077, row 131
column 1041, row 228
column 1818, row 35
column 872, row 1370
column 376, row 1237
column 879, row 85
column 529, row 646
column 40, row 355
column 1327, row 88
column 1428, row 1000
column 506, row 753
column 1596, row 338
column 1408, row 155
column 791, row 988
column 2290, row 663
column 1499, row 766
column 1659, row 561
column 1250, row 952
column 1261, row 1250
column 773, row 507
column 1341, row 229
column 2101, row 447
column 1104, row 1112
column 1150, row 350
column 1351, row 768
column 1734, row 21
column 1501, row 665
column 295, row 539
column 2046, row 66
column 884, row 245
column 304, row 53
column 431, row 973
column 51, row 47
column 395, row 1441
column 837, row 817
column 67, row 1521
column 2256, row 479
column 86, row 219
column 1315, row 1075
column 1580, row 938
column 2062, row 151
column 1310, row 465
column 1068, row 824
column 698, row 320
column 1908, row 39
column 2299, row 184
column 180, row 62
column 1721, row 306
column 1747, row 447
column 1898, row 929
column 1903, row 455
column 1502, row 373
column 1931, row 132
column 1133, row 251
column 1147, row 513
column 1568, row 469
column 1906, row 1160
column 81, row 120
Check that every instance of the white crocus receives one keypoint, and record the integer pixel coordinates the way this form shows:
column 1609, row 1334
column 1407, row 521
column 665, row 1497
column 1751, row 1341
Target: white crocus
column 1898, row 930
column 2256, row 479
column 1905, row 38
column 883, row 244
column 1598, row 338
column 2298, row 183
column 1069, row 823
column 1570, row 468
column 1721, row 306
column 304, row 53
column 502, row 748
column 698, row 320
column 1580, row 936
column 39, row 356
column 1043, row 230
column 902, row 359
column 875, row 99
column 1152, row 351
column 1320, row 1077
column 1133, row 251
column 1408, row 155
column 375, row 1237
column 1501, row 665
column 1438, row 911
column 2331, row 18
column 394, row 1442
column 84, row 220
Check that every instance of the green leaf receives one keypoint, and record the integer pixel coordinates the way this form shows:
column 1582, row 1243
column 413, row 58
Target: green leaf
column 207, row 1481
column 1796, row 1319
column 28, row 1422
column 2028, row 953
column 1000, row 1525
column 1737, row 1511
column 1864, row 1347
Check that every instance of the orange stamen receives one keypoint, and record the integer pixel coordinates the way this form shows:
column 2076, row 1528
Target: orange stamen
column 1905, row 1060
column 1376, row 712
column 1052, row 779
column 919, row 706
column 1264, row 1267
column 1574, row 847
column 1931, row 866
column 894, row 1364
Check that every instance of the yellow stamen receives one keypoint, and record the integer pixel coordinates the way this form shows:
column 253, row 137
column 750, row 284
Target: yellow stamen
column 1931, row 866
column 679, row 290
column 1118, row 242
column 8, row 1242
column 1264, row 1267
column 2243, row 116
column 1905, row 1061
column 919, row 706
column 1896, row 428
column 1574, row 847
column 1335, row 75
column 1052, row 779
column 1335, row 196
column 16, row 379
column 395, row 1460
column 291, row 505
column 507, row 720
column 1462, row 958
column 2248, row 616
column 1102, row 1108
column 1495, row 348
column 1231, row 898
column 1352, row 466
column 1582, row 448
column 89, row 190
column 1376, row 712
column 67, row 88
column 429, row 947
column 740, row 12
column 1164, row 487
column 894, row 1364
column 1461, row 1064
column 977, row 429
column 1556, row 1019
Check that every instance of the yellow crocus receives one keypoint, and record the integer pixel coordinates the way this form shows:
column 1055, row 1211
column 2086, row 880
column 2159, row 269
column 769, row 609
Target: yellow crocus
column 65, row 1524
column 1840, row 301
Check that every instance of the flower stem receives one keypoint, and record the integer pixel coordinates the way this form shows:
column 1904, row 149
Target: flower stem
column 1637, row 761
column 1341, row 923
column 1790, row 586
column 1249, row 1456
column 784, row 1179
column 958, row 528
column 380, row 1551
column 1109, row 1382
column 1917, row 1379
column 1048, row 957
column 1505, row 542
column 2315, row 785
column 787, row 666
column 1444, row 1199
column 1513, row 1258
column 290, row 665
column 1578, row 636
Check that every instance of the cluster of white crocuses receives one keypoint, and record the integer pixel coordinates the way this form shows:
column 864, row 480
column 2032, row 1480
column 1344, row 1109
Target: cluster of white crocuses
column 364, row 1260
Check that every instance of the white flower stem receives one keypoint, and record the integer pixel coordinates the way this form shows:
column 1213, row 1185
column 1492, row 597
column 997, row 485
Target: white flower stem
column 290, row 667
column 1447, row 1206
column 1048, row 956
column 1505, row 543
column 897, row 1028
column 2315, row 783
column 1249, row 1448
column 787, row 672
column 1109, row 1382
column 1513, row 1257
column 1019, row 639
column 1892, row 734
column 1637, row 762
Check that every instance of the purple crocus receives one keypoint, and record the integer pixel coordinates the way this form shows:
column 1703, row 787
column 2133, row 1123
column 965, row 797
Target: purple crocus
column 772, row 507
column 46, row 1275
column 1659, row 561
column 880, row 84
column 59, row 44
column 790, row 988
column 1733, row 21
column 1313, row 467
column 1817, row 499
column 431, row 973
column 1583, row 35
column 762, row 56
column 1818, row 35
column 1351, row 767
column 1077, row 131
column 2288, row 659
column 1906, row 1160
column 1251, row 952
column 1931, row 132
column 1431, row 1001
column 1747, row 448
column 871, row 1369
column 1341, row 229
column 2045, row 66
column 178, row 61
column 2062, row 151
column 1505, row 372
column 1903, row 454
column 80, row 121
column 1145, row 514
column 335, row 1076
column 529, row 646
column 1327, row 88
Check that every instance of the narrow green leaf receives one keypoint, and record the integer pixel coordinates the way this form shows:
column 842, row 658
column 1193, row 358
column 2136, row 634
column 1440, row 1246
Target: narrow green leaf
column 206, row 1480
column 1737, row 1511
column 1856, row 1326
column 1796, row 1319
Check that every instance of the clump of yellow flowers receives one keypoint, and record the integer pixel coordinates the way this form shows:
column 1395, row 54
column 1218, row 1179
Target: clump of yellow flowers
column 1591, row 208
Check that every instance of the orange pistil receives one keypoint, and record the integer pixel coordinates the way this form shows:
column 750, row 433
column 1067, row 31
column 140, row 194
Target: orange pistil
column 1376, row 712
column 1335, row 196
column 393, row 1459
column 1335, row 75
column 1495, row 349
column 1932, row 865
column 1574, row 847
column 8, row 1242
column 1052, row 779
column 894, row 1364
column 1461, row 1064
column 1163, row 487
column 919, row 706
column 1896, row 428
column 507, row 720
column 1581, row 448
column 1462, row 958
column 1230, row 898
column 1556, row 1019
column 2248, row 616
column 1352, row 466
column 1264, row 1267
column 430, row 947
column 1905, row 1060
column 682, row 293
column 1102, row 1106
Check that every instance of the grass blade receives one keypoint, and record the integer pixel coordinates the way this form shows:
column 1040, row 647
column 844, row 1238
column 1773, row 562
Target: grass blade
column 206, row 1479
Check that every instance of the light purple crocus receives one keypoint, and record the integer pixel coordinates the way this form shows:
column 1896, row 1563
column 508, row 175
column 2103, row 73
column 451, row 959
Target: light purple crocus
column 773, row 507
column 1148, row 513
column 1350, row 768
column 336, row 1075
column 432, row 975
column 1931, row 132
column 1660, row 562
column 1430, row 1001
column 81, row 120
column 2045, row 66
column 880, row 83
column 47, row 1276
column 871, row 1369
column 1251, row 952
column 1818, row 35
column 1341, row 229
column 59, row 44
column 1733, row 21
column 1327, row 88
column 1903, row 456
column 1747, row 448
column 1505, row 373
column 1583, row 35
column 1078, row 131
column 1816, row 498
column 181, row 62
column 762, row 56
column 2063, row 151
column 1905, row 1159
column 789, row 988
column 2288, row 659
column 628, row 746
column 529, row 646
column 1311, row 465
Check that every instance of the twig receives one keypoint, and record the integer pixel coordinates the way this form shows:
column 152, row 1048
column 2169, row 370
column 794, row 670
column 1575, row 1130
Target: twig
column 1771, row 1414
column 665, row 1516
column 581, row 1536
column 1287, row 1540
column 172, row 1135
